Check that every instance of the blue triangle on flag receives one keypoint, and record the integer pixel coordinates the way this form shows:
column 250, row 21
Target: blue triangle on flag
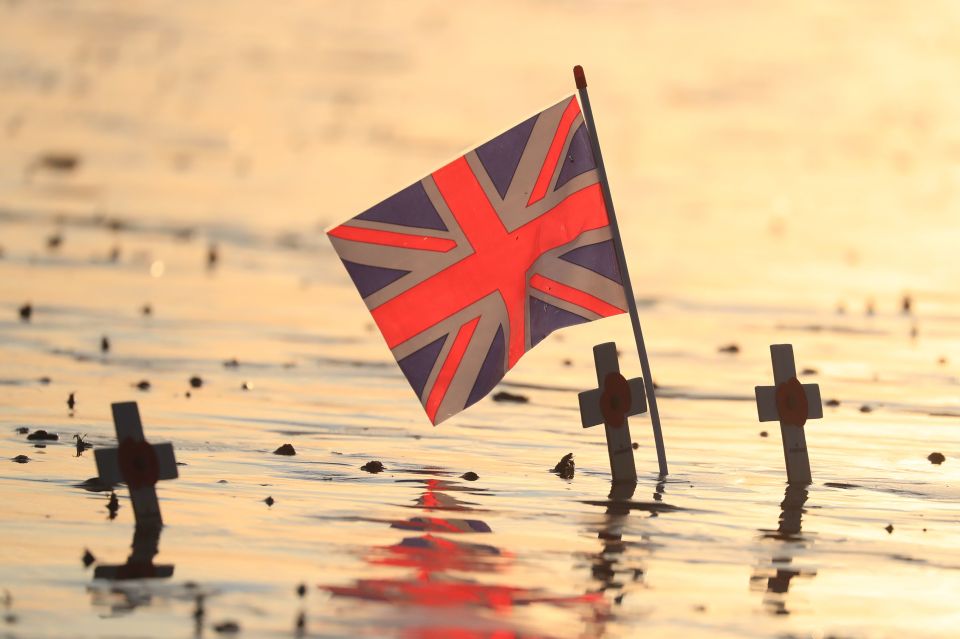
column 501, row 155
column 546, row 318
column 409, row 207
column 579, row 157
column 418, row 364
column 491, row 371
column 370, row 279
column 601, row 258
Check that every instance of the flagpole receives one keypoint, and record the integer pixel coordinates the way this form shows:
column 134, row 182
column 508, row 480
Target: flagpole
column 581, row 81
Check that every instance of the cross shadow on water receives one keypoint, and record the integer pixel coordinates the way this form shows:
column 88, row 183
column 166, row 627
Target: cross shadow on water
column 618, row 567
column 139, row 567
column 774, row 577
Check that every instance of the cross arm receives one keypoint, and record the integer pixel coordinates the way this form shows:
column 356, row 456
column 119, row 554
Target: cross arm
column 590, row 414
column 767, row 402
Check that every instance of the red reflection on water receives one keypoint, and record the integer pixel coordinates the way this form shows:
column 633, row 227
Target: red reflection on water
column 433, row 557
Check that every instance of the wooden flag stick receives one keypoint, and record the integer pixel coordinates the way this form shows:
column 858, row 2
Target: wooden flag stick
column 581, row 80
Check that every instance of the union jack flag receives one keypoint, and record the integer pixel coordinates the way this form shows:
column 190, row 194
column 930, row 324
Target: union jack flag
column 472, row 266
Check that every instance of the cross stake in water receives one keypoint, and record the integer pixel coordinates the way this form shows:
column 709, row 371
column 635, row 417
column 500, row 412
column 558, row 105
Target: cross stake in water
column 610, row 404
column 136, row 462
column 792, row 403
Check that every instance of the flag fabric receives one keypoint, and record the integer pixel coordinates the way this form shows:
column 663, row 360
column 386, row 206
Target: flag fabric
column 472, row 266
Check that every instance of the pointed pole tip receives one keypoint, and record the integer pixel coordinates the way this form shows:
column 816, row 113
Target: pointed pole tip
column 580, row 77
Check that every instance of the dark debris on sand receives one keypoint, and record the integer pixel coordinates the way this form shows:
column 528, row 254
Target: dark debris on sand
column 866, row 409
column 43, row 436
column 936, row 458
column 26, row 312
column 286, row 449
column 733, row 349
column 470, row 476
column 94, row 485
column 833, row 403
column 88, row 558
column 504, row 396
column 113, row 505
column 142, row 385
column 373, row 467
column 764, row 433
column 104, row 344
column 269, row 501
column 565, row 467
column 57, row 162
column 21, row 430
column 71, row 401
column 227, row 628
column 231, row 363
column 196, row 382
column 21, row 459
column 889, row 529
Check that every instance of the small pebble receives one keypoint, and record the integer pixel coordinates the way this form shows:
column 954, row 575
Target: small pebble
column 26, row 312
column 63, row 162
column 213, row 256
column 833, row 402
column 809, row 371
column 22, row 430
column 936, row 458
column 113, row 505
column 44, row 380
column 764, row 433
column 565, row 467
column 104, row 344
column 71, row 401
column 42, row 435
column 470, row 476
column 187, row 395
column 222, row 481
column 568, row 362
column 54, row 241
column 88, row 558
column 504, row 396
column 866, row 409
column 21, row 459
column 143, row 385
column 146, row 310
column 246, row 386
column 269, row 501
column 729, row 348
column 286, row 449
column 889, row 529
column 195, row 382
column 636, row 446
column 227, row 628
column 907, row 304
column 301, row 590
column 39, row 445
column 373, row 467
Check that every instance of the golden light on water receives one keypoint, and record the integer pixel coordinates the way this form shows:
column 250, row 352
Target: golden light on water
column 783, row 173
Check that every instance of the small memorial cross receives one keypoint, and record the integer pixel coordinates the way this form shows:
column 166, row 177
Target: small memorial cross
column 136, row 462
column 611, row 403
column 792, row 404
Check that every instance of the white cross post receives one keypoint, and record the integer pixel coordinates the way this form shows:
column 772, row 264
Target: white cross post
column 792, row 404
column 614, row 399
column 137, row 463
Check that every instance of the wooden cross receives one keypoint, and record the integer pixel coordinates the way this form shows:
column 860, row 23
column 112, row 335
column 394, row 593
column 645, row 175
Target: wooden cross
column 136, row 462
column 146, row 541
column 792, row 403
column 614, row 399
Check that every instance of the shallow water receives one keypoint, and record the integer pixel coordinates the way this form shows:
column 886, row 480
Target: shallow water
column 772, row 167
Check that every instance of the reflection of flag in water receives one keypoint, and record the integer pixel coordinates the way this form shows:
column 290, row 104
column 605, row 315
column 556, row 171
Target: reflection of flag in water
column 472, row 266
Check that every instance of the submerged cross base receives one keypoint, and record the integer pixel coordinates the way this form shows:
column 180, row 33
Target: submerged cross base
column 614, row 399
column 792, row 404
column 136, row 462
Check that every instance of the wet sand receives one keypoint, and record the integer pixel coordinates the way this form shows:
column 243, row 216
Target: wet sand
column 778, row 174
